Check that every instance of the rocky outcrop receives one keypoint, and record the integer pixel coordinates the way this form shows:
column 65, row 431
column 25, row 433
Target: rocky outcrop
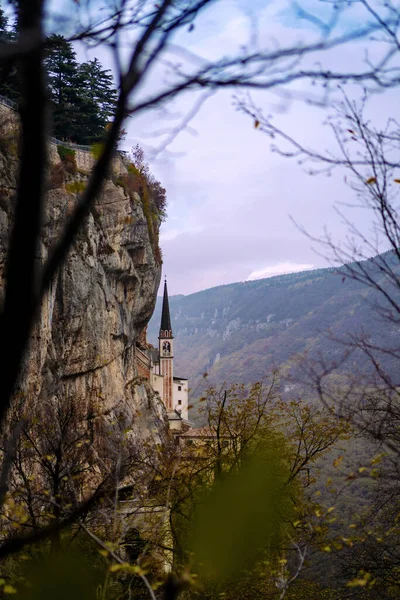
column 83, row 346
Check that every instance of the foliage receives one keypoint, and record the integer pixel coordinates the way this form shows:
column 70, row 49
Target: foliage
column 242, row 514
column 64, row 152
column 75, row 187
column 68, row 157
column 96, row 150
column 9, row 77
column 139, row 180
column 82, row 96
column 156, row 25
column 241, row 492
column 369, row 155
column 156, row 191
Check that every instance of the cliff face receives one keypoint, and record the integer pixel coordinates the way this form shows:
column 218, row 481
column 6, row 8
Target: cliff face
column 83, row 346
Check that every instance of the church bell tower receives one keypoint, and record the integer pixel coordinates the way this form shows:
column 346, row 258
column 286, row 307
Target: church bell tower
column 166, row 350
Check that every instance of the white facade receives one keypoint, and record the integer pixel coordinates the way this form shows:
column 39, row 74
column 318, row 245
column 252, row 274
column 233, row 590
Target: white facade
column 181, row 397
column 157, row 383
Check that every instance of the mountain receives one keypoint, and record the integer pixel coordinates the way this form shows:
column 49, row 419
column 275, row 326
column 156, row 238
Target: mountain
column 243, row 330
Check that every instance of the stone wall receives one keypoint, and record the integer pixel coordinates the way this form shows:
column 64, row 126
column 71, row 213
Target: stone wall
column 84, row 158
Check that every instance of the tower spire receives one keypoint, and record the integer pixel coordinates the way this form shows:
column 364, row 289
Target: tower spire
column 166, row 352
column 165, row 327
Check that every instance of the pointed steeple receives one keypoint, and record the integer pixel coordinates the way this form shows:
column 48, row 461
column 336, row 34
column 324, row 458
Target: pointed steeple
column 165, row 327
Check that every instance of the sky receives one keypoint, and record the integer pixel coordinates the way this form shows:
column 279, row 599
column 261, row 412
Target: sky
column 235, row 207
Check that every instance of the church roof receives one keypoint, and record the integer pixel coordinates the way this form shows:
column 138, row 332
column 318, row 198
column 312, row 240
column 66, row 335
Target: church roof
column 165, row 316
column 154, row 354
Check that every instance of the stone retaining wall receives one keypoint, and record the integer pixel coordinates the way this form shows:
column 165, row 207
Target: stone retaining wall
column 85, row 160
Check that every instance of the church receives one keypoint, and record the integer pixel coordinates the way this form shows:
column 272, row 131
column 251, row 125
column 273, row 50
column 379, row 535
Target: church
column 157, row 366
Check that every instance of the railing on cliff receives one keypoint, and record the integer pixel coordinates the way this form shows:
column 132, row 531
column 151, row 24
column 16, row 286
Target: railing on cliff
column 84, row 155
column 11, row 104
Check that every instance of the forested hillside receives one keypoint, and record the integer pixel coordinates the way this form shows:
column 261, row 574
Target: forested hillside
column 242, row 331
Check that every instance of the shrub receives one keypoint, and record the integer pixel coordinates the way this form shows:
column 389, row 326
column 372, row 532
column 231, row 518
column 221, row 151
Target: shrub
column 63, row 152
column 158, row 255
column 153, row 196
column 75, row 187
column 97, row 149
column 68, row 157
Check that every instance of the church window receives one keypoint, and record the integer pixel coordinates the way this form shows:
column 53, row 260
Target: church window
column 179, row 388
column 179, row 401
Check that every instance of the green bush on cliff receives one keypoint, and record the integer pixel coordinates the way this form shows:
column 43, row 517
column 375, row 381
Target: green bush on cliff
column 75, row 187
column 68, row 157
column 139, row 180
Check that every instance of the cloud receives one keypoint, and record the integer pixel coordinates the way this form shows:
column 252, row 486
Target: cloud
column 231, row 197
column 280, row 269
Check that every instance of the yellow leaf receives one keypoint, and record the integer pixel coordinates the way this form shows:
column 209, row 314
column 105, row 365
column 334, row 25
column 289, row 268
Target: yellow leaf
column 9, row 589
column 156, row 585
column 362, row 469
column 396, row 180
column 119, row 567
column 337, row 461
column 377, row 459
column 371, row 180
column 256, row 124
column 136, row 569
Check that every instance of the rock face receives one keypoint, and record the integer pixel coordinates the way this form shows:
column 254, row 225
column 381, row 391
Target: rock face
column 101, row 299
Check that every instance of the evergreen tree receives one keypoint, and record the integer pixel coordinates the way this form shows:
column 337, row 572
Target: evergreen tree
column 82, row 96
column 63, row 80
column 9, row 83
column 97, row 99
column 100, row 85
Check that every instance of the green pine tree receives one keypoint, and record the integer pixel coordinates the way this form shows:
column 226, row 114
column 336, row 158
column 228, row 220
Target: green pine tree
column 97, row 90
column 9, row 80
column 64, row 84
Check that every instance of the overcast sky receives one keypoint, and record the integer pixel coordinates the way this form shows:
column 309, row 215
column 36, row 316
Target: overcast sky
column 231, row 201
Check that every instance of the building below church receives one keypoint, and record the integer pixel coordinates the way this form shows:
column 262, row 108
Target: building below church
column 157, row 366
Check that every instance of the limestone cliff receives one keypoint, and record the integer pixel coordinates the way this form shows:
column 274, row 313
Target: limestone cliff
column 103, row 296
